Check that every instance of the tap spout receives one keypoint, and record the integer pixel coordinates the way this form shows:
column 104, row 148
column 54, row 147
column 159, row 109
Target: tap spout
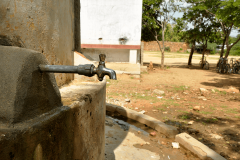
column 111, row 73
column 101, row 71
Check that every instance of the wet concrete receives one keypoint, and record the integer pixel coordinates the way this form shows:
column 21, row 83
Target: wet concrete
column 119, row 143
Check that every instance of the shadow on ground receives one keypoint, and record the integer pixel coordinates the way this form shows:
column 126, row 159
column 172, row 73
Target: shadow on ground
column 230, row 136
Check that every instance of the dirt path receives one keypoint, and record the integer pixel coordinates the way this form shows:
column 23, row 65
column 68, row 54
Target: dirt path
column 211, row 116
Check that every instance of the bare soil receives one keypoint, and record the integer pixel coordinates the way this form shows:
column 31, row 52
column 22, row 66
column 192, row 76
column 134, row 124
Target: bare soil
column 219, row 113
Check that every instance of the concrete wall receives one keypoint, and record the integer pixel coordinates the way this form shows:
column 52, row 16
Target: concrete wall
column 37, row 121
column 42, row 25
column 174, row 46
column 73, row 131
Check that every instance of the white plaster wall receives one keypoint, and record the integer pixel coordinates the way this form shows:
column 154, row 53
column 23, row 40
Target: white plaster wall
column 112, row 55
column 111, row 20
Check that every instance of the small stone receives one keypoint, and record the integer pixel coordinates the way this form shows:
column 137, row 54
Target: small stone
column 153, row 133
column 136, row 108
column 190, row 122
column 202, row 106
column 201, row 97
column 185, row 93
column 216, row 136
column 141, row 144
column 204, row 99
column 178, row 98
column 159, row 92
column 147, row 143
column 154, row 110
column 202, row 89
column 139, row 132
column 175, row 145
column 159, row 97
column 164, row 143
column 196, row 108
column 185, row 99
column 127, row 100
column 142, row 112
column 164, row 112
column 172, row 97
column 213, row 91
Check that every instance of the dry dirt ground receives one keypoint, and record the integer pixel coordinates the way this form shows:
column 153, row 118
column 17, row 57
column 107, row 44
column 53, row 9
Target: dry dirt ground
column 216, row 122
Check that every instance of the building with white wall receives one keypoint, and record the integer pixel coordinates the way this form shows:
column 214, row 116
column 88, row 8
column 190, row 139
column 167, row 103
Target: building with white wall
column 111, row 27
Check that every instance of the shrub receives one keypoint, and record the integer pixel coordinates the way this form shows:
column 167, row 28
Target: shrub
column 167, row 49
column 212, row 52
column 180, row 49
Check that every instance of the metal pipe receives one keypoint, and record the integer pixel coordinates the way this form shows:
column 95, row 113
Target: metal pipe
column 86, row 69
column 58, row 68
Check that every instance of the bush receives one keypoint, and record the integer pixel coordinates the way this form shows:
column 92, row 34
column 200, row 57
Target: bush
column 167, row 49
column 212, row 52
column 180, row 49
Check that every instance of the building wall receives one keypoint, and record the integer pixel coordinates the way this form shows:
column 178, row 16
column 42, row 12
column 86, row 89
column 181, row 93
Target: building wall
column 42, row 25
column 106, row 22
column 174, row 46
column 111, row 20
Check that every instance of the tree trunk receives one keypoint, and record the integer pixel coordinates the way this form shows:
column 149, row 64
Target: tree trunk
column 191, row 54
column 204, row 49
column 222, row 49
column 163, row 49
column 228, row 51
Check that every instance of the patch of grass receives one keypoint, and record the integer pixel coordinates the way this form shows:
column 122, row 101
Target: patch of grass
column 220, row 92
column 203, row 123
column 175, row 104
column 180, row 88
column 183, row 111
column 212, row 108
column 113, row 94
column 167, row 67
column 233, row 110
column 165, row 105
column 184, row 117
column 237, row 117
column 204, row 112
column 165, row 118
column 145, row 72
column 153, row 99
column 132, row 77
column 224, row 106
column 214, row 119
column 160, row 109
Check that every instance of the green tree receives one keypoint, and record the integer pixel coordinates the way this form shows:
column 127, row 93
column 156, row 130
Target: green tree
column 204, row 31
column 156, row 15
column 226, row 13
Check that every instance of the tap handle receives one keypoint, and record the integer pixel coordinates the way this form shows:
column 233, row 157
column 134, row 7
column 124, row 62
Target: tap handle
column 102, row 57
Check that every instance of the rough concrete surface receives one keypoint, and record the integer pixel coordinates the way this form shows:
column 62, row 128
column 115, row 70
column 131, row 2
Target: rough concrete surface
column 196, row 147
column 25, row 92
column 161, row 127
column 44, row 26
column 73, row 131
